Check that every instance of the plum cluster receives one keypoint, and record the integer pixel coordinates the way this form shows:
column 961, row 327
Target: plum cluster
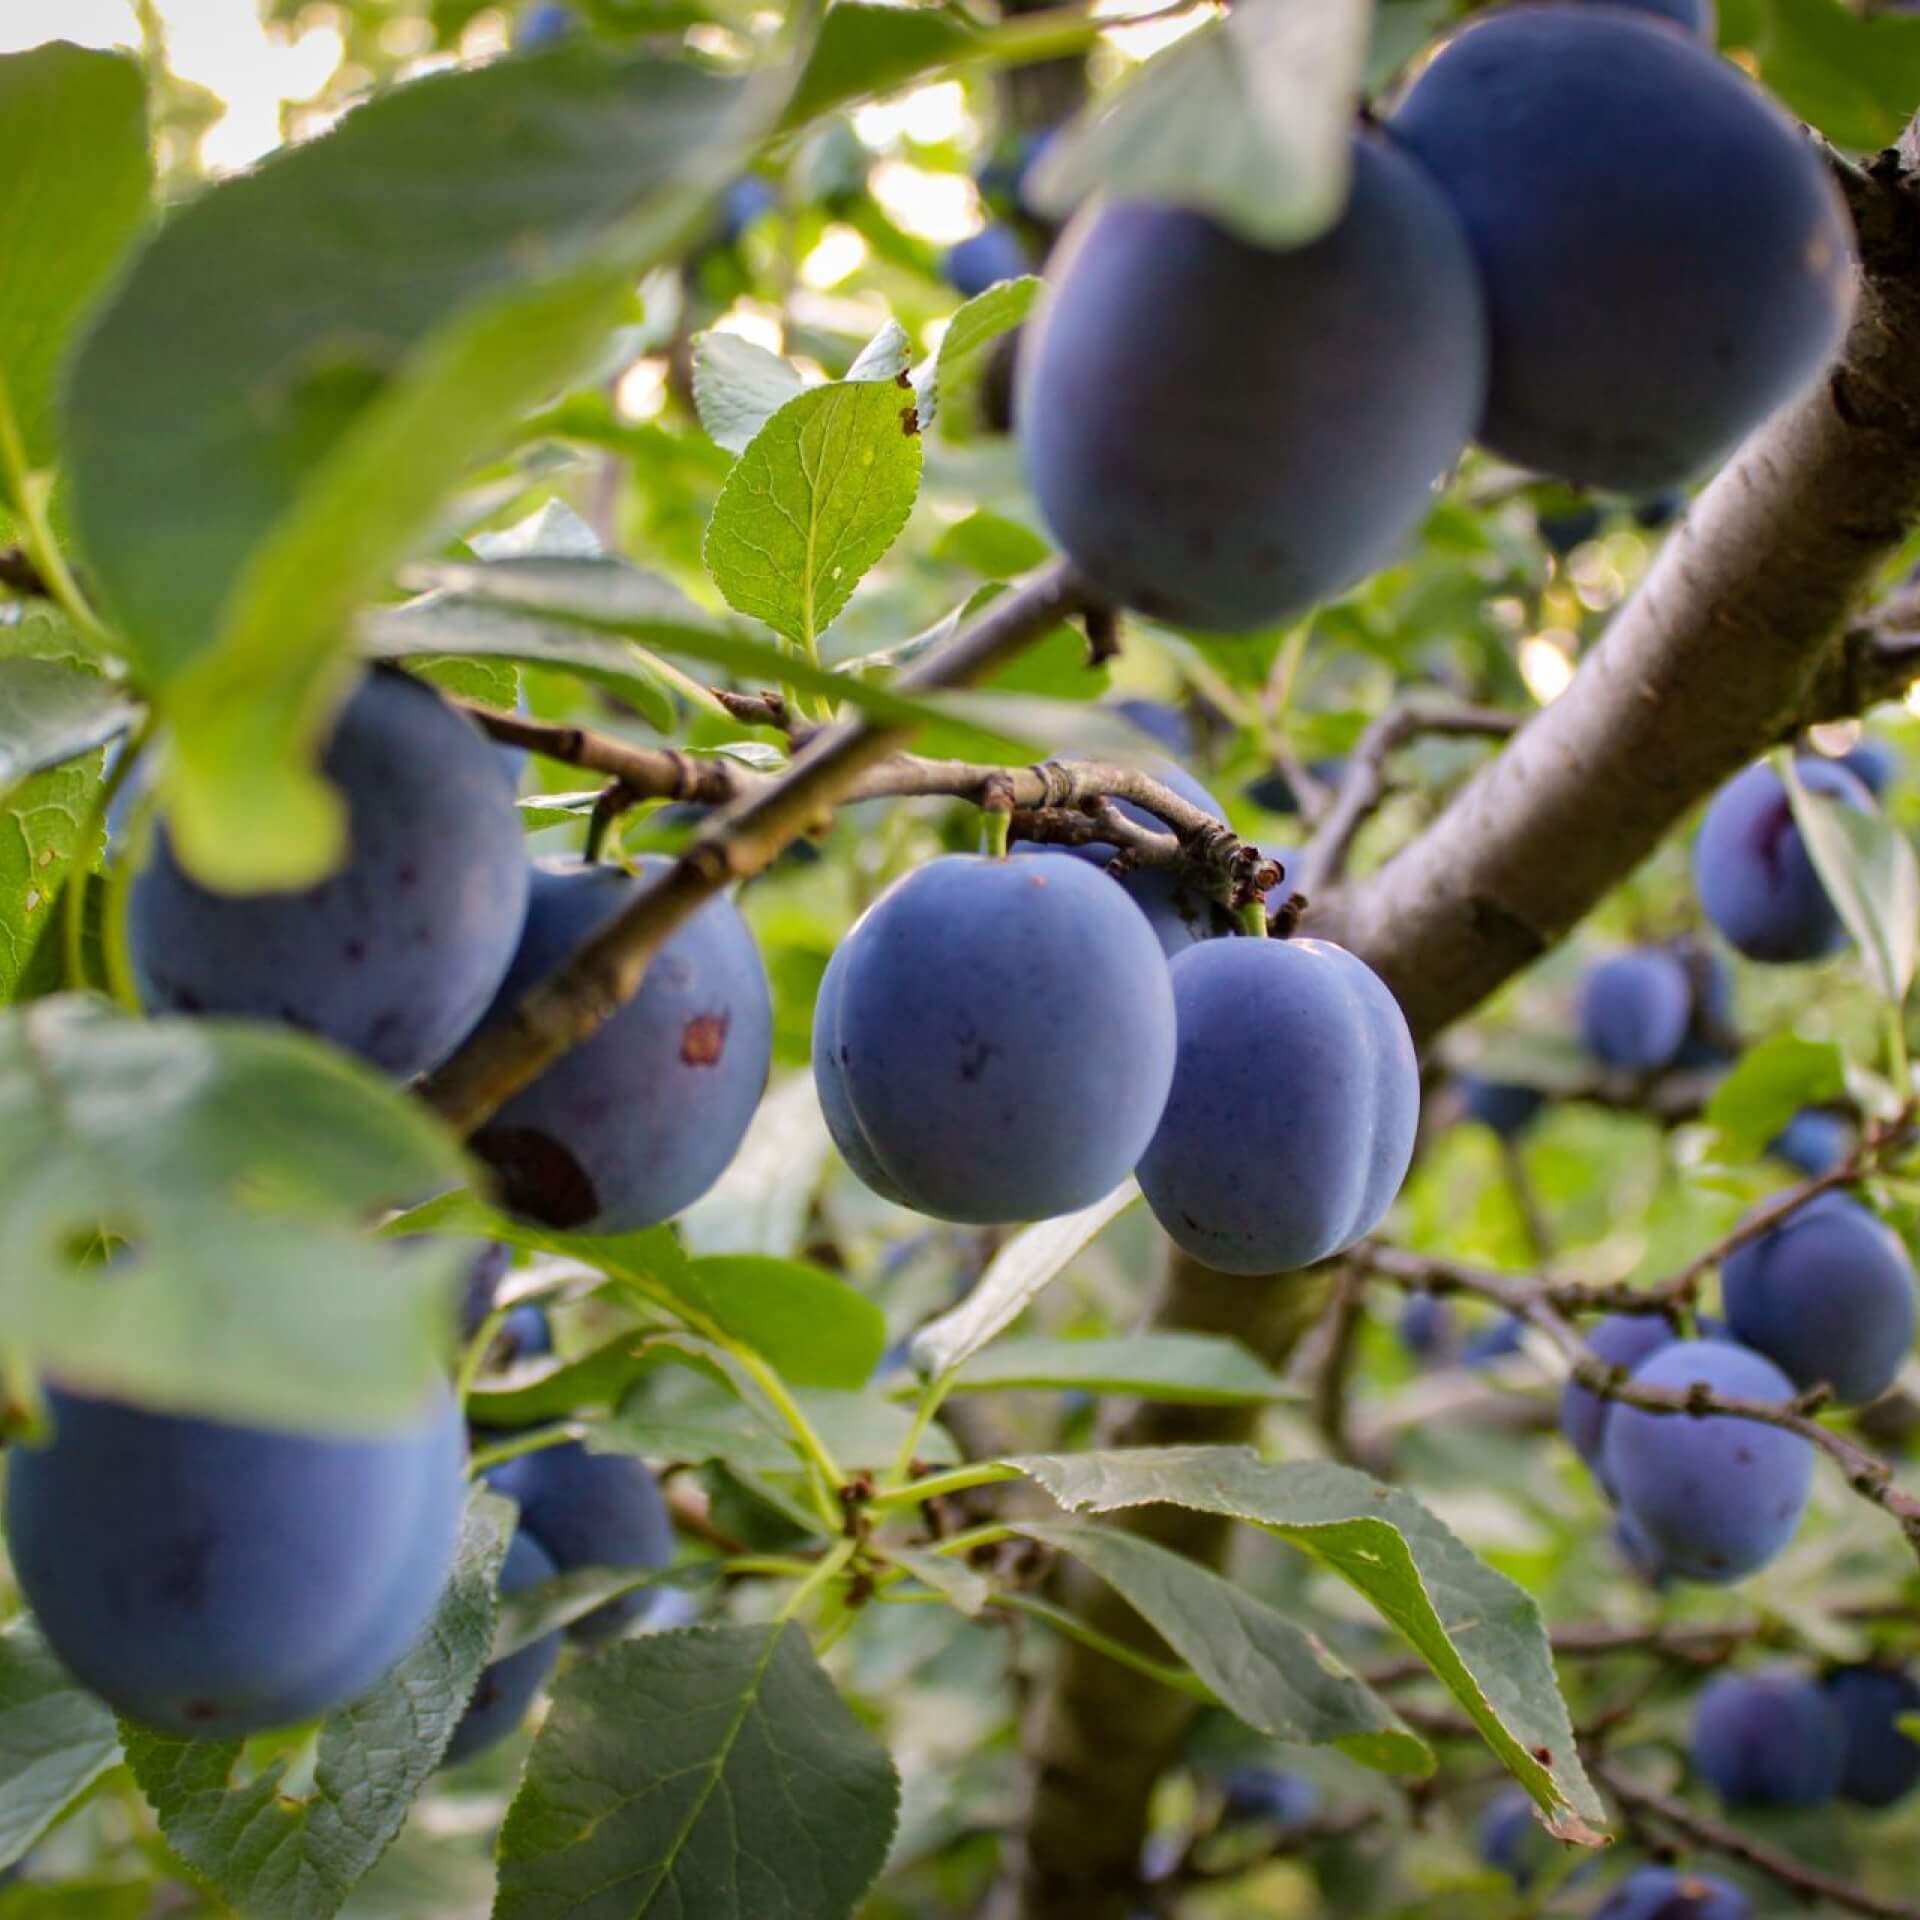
column 1535, row 253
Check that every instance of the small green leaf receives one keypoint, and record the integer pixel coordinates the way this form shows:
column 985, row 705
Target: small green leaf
column 75, row 182
column 1191, row 1369
column 1869, row 871
column 994, row 547
column 821, row 492
column 233, row 1167
column 887, row 356
column 1249, row 119
column 1769, row 1084
column 738, row 387
column 864, row 50
column 954, row 369
column 1011, row 1282
column 1480, row 1633
column 494, row 683
column 965, row 1589
column 763, row 1201
column 713, row 1773
column 1278, row 1678
column 56, row 1739
column 278, row 1853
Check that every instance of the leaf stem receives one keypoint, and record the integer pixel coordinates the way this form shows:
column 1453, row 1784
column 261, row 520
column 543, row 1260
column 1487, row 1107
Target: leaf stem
column 933, row 1486
column 931, row 1395
column 825, row 1570
column 28, row 492
column 825, row 1477
column 73, row 905
column 535, row 1440
column 1178, row 1678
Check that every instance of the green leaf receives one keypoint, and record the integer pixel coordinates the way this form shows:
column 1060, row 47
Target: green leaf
column 994, row 547
column 1769, row 1084
column 1854, row 76
column 762, row 1203
column 1014, row 1277
column 1249, row 119
column 53, row 711
column 534, row 1612
column 738, row 387
column 494, row 683
column 557, row 1390
column 1278, row 1678
column 75, row 181
column 821, row 492
column 1181, row 1368
column 864, row 50
column 1480, row 1633
column 247, row 473
column 711, row 1773
column 56, row 1739
column 1869, row 871
column 887, row 356
column 234, row 1167
column 955, row 367
column 953, row 1578
column 276, row 1852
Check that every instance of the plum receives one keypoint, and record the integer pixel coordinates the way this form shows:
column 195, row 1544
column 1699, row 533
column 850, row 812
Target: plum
column 1879, row 1763
column 1827, row 1295
column 1714, row 1495
column 394, row 957
column 1696, row 16
column 1635, row 1008
column 1751, row 870
column 985, row 258
column 1295, row 1099
column 1426, row 1327
column 525, row 1334
column 1873, row 763
column 1767, row 1739
column 1509, row 1110
column 1283, row 1799
column 1493, row 1340
column 1665, row 256
column 1666, row 1893
column 1813, row 1142
column 212, row 1580
column 1001, row 1038
column 591, row 1510
column 543, row 26
column 490, row 1267
column 830, row 1084
column 506, row 1688
column 642, row 1118
column 1620, row 1340
column 1220, row 434
column 1510, row 1839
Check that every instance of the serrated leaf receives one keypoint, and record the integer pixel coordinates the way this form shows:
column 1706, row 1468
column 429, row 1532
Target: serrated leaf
column 738, row 387
column 247, row 473
column 1013, row 1279
column 762, row 1202
column 56, row 1739
column 1249, row 119
column 1480, row 1633
column 278, row 1853
column 862, row 50
column 1278, row 1678
column 75, row 182
column 1191, row 1369
column 494, row 683
column 238, row 1164
column 822, row 491
column 1768, row 1085
column 712, row 1772
column 1869, row 871
column 885, row 357
column 954, row 366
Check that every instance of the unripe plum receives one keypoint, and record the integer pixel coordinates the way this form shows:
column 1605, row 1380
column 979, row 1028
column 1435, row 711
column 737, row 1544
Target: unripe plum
column 1620, row 1340
column 506, row 1688
column 1665, row 257
column 1002, row 1036
column 1664, row 1893
column 1714, row 1495
column 1221, row 434
column 1767, row 1739
column 591, row 1510
column 1295, row 1099
column 641, row 1118
column 1634, row 1008
column 1827, row 1295
column 1880, row 1764
column 396, row 955
column 212, row 1580
column 1751, row 870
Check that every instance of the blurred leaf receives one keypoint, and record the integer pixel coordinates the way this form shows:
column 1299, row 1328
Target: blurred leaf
column 278, row 1853
column 1012, row 1281
column 534, row 1612
column 1480, row 1633
column 1769, row 1084
column 738, row 387
column 887, row 356
column 75, row 181
column 967, row 1590
column 52, row 711
column 56, row 1739
column 494, row 683
column 556, row 1390
column 1191, row 1369
column 234, row 1167
column 864, row 50
column 822, row 491
column 762, row 1203
column 1855, row 76
column 954, row 369
column 1249, row 119
column 992, row 545
column 1275, row 1676
column 713, row 1773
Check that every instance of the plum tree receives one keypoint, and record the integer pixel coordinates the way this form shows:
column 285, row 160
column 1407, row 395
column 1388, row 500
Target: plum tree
column 1508, row 1109
column 1638, row 333
column 1508, row 1837
column 396, row 955
column 1635, row 1008
column 1002, row 1037
column 1813, row 1142
column 1295, row 1099
column 1767, row 1739
column 209, row 1579
column 1667, row 1893
column 1228, row 504
column 1751, row 868
column 642, row 1119
column 1714, row 1495
column 1879, row 1764
column 506, row 1688
column 997, row 252
column 1828, row 1296
column 1620, row 1340
column 591, row 1510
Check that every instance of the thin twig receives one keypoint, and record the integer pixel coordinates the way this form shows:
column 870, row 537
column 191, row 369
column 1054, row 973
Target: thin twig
column 1346, row 1312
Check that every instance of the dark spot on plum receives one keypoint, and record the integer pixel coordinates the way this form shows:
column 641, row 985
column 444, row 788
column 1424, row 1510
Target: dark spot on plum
column 407, row 875
column 537, row 1177
column 704, row 1039
column 354, row 952
column 201, row 1710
